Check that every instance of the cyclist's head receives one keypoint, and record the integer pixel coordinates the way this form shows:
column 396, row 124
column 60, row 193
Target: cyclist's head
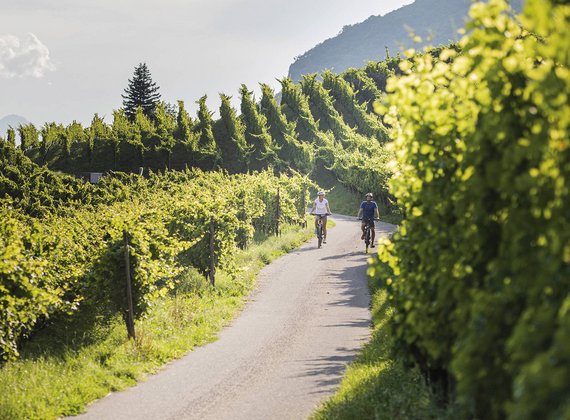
column 369, row 195
column 320, row 193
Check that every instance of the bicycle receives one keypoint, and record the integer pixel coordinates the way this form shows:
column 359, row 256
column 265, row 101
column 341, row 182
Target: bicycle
column 319, row 229
column 367, row 233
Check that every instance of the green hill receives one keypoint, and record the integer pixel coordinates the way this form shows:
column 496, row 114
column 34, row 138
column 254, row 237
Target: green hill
column 357, row 44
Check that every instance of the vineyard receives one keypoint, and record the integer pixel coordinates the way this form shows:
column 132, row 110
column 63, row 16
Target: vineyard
column 468, row 142
column 62, row 238
column 479, row 272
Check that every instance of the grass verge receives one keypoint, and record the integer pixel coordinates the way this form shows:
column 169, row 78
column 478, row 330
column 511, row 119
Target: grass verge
column 76, row 361
column 375, row 385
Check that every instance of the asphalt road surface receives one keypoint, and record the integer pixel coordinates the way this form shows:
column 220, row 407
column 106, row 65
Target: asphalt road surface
column 282, row 356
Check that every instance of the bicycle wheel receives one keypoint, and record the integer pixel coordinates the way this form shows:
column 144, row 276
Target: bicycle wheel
column 320, row 234
column 367, row 238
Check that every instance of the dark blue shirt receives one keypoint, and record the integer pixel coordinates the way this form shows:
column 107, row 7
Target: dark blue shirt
column 368, row 209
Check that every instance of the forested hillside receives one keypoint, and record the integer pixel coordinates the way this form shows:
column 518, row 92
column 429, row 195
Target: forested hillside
column 436, row 22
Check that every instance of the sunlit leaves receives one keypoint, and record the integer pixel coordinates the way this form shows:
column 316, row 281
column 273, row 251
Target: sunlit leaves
column 74, row 255
column 480, row 266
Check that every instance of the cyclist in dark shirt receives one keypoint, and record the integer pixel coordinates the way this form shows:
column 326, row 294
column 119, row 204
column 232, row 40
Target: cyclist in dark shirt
column 368, row 212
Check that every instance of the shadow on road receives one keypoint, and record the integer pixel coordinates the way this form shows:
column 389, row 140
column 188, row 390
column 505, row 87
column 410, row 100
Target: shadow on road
column 348, row 255
column 354, row 286
column 329, row 369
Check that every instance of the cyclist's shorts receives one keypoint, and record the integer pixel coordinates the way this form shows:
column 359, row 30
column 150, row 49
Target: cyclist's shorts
column 369, row 222
column 322, row 216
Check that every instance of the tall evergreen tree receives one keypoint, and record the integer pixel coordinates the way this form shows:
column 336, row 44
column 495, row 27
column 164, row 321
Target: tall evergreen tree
column 141, row 92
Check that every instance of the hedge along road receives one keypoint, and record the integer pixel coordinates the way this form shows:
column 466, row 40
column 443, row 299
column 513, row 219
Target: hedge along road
column 283, row 355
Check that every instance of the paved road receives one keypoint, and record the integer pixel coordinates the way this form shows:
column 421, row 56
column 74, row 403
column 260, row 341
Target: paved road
column 282, row 356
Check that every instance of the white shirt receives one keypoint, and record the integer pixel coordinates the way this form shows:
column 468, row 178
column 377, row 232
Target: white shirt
column 321, row 206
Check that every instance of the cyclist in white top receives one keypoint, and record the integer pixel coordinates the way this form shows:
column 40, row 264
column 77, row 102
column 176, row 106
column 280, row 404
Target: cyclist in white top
column 321, row 208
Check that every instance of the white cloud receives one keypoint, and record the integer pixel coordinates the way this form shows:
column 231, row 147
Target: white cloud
column 26, row 57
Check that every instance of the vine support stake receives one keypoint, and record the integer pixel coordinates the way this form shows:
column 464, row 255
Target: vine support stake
column 212, row 273
column 278, row 214
column 130, row 317
column 304, row 207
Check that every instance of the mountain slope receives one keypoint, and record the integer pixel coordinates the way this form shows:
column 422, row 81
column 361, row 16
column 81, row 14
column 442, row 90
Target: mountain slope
column 11, row 121
column 357, row 44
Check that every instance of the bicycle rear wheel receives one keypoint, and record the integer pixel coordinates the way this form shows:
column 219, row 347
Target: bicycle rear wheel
column 367, row 238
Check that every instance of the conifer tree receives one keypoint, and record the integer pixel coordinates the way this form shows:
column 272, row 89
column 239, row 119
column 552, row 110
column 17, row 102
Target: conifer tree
column 141, row 92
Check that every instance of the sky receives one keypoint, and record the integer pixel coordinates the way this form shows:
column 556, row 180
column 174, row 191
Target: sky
column 65, row 60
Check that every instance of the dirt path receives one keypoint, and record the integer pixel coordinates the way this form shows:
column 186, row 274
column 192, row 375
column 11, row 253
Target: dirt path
column 283, row 355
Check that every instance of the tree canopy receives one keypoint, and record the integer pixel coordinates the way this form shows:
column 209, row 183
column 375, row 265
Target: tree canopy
column 141, row 92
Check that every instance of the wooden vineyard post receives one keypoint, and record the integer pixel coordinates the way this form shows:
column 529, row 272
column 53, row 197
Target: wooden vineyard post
column 130, row 317
column 212, row 273
column 304, row 206
column 278, row 214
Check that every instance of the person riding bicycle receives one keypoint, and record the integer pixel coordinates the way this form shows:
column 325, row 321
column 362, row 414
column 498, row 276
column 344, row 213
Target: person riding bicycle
column 321, row 208
column 368, row 212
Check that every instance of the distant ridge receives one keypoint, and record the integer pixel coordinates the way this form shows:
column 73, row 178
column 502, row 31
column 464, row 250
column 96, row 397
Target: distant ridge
column 367, row 41
column 11, row 120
